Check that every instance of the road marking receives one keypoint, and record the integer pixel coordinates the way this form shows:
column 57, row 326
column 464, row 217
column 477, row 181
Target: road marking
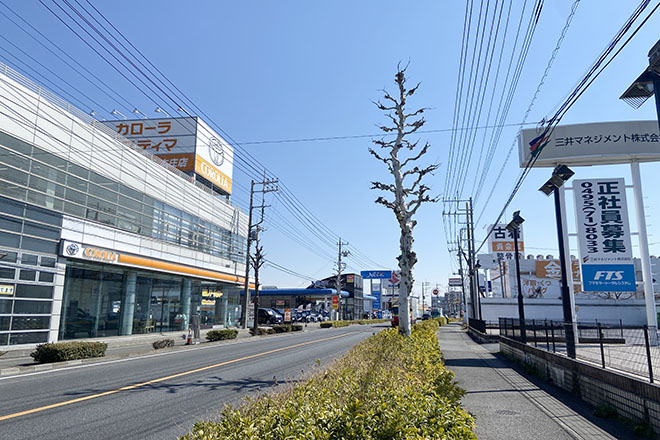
column 225, row 343
column 162, row 379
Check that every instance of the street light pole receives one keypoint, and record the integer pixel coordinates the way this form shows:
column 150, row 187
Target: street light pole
column 521, row 306
column 565, row 294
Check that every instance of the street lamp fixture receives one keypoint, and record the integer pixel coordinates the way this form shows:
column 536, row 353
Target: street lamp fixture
column 514, row 227
column 117, row 112
column 160, row 110
column 560, row 175
column 647, row 84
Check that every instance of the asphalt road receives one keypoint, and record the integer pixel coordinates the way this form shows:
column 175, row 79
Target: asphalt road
column 160, row 396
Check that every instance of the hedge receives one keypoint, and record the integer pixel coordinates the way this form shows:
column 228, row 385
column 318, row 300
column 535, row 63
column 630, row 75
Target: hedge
column 222, row 334
column 262, row 331
column 163, row 343
column 387, row 387
column 68, row 351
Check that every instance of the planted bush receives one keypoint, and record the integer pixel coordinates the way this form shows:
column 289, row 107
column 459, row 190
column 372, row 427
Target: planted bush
column 68, row 351
column 221, row 334
column 387, row 387
column 296, row 327
column 281, row 328
column 163, row 343
column 262, row 331
column 328, row 324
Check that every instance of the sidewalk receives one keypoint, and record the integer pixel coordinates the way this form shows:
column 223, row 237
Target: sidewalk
column 507, row 405
column 18, row 361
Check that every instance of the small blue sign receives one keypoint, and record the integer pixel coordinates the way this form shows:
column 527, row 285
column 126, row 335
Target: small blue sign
column 608, row 277
column 376, row 274
column 375, row 304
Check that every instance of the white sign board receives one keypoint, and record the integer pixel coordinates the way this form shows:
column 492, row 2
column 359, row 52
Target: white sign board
column 501, row 244
column 592, row 144
column 188, row 144
column 395, row 280
column 535, row 287
column 604, row 235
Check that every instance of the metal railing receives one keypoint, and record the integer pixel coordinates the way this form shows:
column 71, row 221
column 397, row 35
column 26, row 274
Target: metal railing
column 611, row 345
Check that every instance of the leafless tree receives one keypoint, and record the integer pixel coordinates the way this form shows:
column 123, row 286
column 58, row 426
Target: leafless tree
column 409, row 193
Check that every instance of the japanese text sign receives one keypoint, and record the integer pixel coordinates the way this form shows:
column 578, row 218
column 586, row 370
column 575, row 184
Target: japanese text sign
column 501, row 243
column 601, row 213
column 592, row 144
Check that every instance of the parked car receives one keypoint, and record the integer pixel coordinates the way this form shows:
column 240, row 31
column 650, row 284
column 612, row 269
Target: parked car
column 269, row 317
column 426, row 316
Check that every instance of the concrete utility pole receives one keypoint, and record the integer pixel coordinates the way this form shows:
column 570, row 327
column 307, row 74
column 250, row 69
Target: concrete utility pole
column 340, row 267
column 267, row 185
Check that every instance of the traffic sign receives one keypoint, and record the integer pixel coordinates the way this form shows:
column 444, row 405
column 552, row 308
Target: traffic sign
column 435, row 291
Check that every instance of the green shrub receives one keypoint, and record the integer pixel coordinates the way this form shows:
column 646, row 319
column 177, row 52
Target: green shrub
column 387, row 387
column 281, row 328
column 163, row 343
column 2, row 352
column 262, row 331
column 221, row 334
column 326, row 324
column 68, row 351
column 296, row 327
column 372, row 321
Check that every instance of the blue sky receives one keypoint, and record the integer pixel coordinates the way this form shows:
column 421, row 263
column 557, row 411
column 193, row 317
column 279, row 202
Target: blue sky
column 293, row 69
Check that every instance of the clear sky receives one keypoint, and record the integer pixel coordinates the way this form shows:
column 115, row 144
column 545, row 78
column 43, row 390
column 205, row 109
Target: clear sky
column 298, row 69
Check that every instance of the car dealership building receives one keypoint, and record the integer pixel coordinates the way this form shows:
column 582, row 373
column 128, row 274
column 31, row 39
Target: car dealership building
column 111, row 228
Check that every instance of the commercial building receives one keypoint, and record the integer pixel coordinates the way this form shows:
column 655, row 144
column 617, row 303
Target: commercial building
column 100, row 237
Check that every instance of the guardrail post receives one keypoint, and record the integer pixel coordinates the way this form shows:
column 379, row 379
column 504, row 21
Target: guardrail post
column 602, row 349
column 534, row 329
column 547, row 336
column 648, row 352
column 621, row 327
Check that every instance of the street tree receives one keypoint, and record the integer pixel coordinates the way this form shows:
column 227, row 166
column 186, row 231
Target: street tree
column 408, row 193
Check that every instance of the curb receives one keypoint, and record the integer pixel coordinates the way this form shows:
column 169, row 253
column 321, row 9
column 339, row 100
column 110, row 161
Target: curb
column 15, row 371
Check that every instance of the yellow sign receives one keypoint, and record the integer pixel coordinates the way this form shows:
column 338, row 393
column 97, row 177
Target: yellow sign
column 208, row 171
column 211, row 293
column 208, row 302
column 6, row 289
column 552, row 269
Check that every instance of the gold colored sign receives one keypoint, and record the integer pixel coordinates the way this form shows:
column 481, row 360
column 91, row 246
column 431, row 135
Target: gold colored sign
column 6, row 289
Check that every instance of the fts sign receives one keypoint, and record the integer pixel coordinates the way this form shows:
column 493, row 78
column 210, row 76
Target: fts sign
column 604, row 235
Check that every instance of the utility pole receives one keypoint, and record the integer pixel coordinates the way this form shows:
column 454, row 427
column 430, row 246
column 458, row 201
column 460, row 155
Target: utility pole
column 340, row 267
column 267, row 185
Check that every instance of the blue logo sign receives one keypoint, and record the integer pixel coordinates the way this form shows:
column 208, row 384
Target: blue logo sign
column 608, row 277
column 376, row 274
column 375, row 305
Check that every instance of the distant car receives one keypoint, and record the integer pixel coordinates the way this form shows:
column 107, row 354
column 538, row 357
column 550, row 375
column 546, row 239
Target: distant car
column 269, row 317
column 426, row 316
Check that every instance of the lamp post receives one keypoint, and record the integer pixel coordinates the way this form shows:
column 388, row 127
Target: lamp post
column 514, row 227
column 477, row 266
column 646, row 85
column 560, row 175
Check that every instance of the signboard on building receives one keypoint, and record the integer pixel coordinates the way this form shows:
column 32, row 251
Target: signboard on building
column 552, row 269
column 536, row 287
column 287, row 315
column 76, row 250
column 6, row 289
column 350, row 278
column 500, row 241
column 589, row 144
column 188, row 144
column 376, row 274
column 455, row 282
column 335, row 302
column 604, row 235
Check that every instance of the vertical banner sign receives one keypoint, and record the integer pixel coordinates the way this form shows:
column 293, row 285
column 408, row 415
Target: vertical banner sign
column 604, row 235
column 500, row 241
column 335, row 302
column 375, row 292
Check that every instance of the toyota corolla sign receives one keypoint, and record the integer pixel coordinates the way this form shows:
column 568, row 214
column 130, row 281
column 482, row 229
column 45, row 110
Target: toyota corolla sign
column 188, row 144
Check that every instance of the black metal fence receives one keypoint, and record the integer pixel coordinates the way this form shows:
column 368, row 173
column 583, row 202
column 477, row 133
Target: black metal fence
column 631, row 349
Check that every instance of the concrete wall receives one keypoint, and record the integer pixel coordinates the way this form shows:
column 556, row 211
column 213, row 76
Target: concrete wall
column 631, row 312
column 633, row 398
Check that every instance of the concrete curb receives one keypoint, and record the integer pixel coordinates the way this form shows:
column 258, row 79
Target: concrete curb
column 242, row 337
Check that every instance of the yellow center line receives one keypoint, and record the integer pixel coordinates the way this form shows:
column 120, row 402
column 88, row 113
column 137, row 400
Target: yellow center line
column 161, row 379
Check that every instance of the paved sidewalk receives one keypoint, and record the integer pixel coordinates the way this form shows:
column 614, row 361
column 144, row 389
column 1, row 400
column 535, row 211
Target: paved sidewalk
column 506, row 405
column 18, row 361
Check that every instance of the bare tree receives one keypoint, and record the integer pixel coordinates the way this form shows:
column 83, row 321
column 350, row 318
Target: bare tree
column 401, row 158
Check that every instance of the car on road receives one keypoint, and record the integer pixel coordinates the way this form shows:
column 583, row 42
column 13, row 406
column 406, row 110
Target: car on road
column 426, row 316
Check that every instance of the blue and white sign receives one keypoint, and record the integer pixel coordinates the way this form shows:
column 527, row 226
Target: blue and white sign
column 608, row 277
column 601, row 213
column 375, row 304
column 376, row 274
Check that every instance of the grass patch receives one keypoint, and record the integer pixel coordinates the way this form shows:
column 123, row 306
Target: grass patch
column 163, row 343
column 387, row 387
